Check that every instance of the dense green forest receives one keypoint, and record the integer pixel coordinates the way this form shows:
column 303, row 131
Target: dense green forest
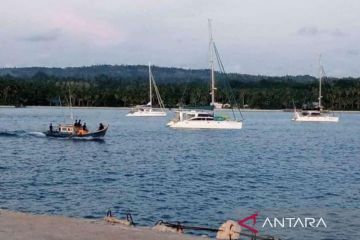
column 120, row 86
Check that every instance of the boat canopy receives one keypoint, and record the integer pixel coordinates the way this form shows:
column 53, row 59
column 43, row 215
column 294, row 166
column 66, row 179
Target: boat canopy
column 194, row 107
column 311, row 113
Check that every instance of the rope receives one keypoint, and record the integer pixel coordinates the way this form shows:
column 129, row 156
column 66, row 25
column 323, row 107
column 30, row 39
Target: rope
column 230, row 93
column 183, row 95
column 179, row 226
column 130, row 219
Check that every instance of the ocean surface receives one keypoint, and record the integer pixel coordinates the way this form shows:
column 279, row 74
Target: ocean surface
column 273, row 167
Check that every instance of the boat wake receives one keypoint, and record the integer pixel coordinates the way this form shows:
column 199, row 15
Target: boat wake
column 20, row 133
column 12, row 133
column 37, row 134
column 80, row 139
column 88, row 139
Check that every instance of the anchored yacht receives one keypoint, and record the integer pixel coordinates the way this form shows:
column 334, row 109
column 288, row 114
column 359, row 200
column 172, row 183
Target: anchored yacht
column 316, row 114
column 199, row 119
column 147, row 110
column 202, row 120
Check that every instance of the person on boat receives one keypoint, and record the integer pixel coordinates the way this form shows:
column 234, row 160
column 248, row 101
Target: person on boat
column 79, row 123
column 76, row 123
column 85, row 128
column 51, row 128
column 101, row 127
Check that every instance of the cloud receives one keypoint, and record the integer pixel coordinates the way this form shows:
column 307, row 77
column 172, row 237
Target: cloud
column 174, row 33
column 337, row 33
column 352, row 52
column 315, row 31
column 308, row 31
column 87, row 28
column 49, row 36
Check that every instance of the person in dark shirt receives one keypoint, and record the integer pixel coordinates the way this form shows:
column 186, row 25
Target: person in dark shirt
column 51, row 128
column 101, row 127
column 84, row 127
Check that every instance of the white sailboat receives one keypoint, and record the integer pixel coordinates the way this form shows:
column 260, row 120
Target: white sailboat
column 198, row 119
column 147, row 110
column 317, row 114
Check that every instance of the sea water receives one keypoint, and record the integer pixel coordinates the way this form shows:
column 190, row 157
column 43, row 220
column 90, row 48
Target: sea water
column 274, row 167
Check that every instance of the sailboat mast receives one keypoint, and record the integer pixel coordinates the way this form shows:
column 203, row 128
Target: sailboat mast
column 150, row 91
column 70, row 105
column 211, row 63
column 320, row 78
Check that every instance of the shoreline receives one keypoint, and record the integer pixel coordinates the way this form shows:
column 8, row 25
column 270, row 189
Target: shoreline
column 20, row 225
column 172, row 109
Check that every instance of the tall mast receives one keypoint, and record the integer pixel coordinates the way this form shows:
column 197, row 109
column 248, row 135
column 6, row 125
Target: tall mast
column 150, row 91
column 70, row 105
column 211, row 63
column 321, row 71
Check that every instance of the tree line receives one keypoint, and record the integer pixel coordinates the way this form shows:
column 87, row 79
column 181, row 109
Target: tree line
column 115, row 91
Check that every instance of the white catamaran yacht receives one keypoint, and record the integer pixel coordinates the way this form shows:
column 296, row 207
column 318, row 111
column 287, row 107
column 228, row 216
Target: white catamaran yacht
column 316, row 114
column 200, row 119
column 147, row 110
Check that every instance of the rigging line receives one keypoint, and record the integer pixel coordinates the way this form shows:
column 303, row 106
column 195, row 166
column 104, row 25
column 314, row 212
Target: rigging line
column 70, row 105
column 183, row 94
column 62, row 109
column 222, row 70
column 161, row 103
column 153, row 83
column 324, row 80
column 160, row 99
column 231, row 95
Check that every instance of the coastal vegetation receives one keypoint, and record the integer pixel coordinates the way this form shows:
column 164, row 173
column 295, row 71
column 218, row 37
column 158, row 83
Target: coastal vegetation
column 124, row 86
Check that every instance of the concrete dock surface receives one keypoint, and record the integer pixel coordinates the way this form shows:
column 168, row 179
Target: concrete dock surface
column 21, row 226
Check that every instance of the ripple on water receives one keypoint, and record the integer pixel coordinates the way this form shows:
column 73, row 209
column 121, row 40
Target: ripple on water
column 200, row 177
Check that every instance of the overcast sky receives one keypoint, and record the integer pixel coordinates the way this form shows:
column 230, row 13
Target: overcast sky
column 272, row 37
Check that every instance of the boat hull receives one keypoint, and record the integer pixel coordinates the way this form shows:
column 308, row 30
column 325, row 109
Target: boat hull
column 316, row 119
column 322, row 118
column 205, row 124
column 147, row 114
column 91, row 135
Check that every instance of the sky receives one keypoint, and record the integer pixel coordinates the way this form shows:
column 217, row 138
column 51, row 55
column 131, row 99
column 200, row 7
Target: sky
column 266, row 37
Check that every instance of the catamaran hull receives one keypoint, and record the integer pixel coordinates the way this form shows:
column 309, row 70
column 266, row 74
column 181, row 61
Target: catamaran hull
column 299, row 118
column 147, row 114
column 205, row 124
column 316, row 119
column 91, row 135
